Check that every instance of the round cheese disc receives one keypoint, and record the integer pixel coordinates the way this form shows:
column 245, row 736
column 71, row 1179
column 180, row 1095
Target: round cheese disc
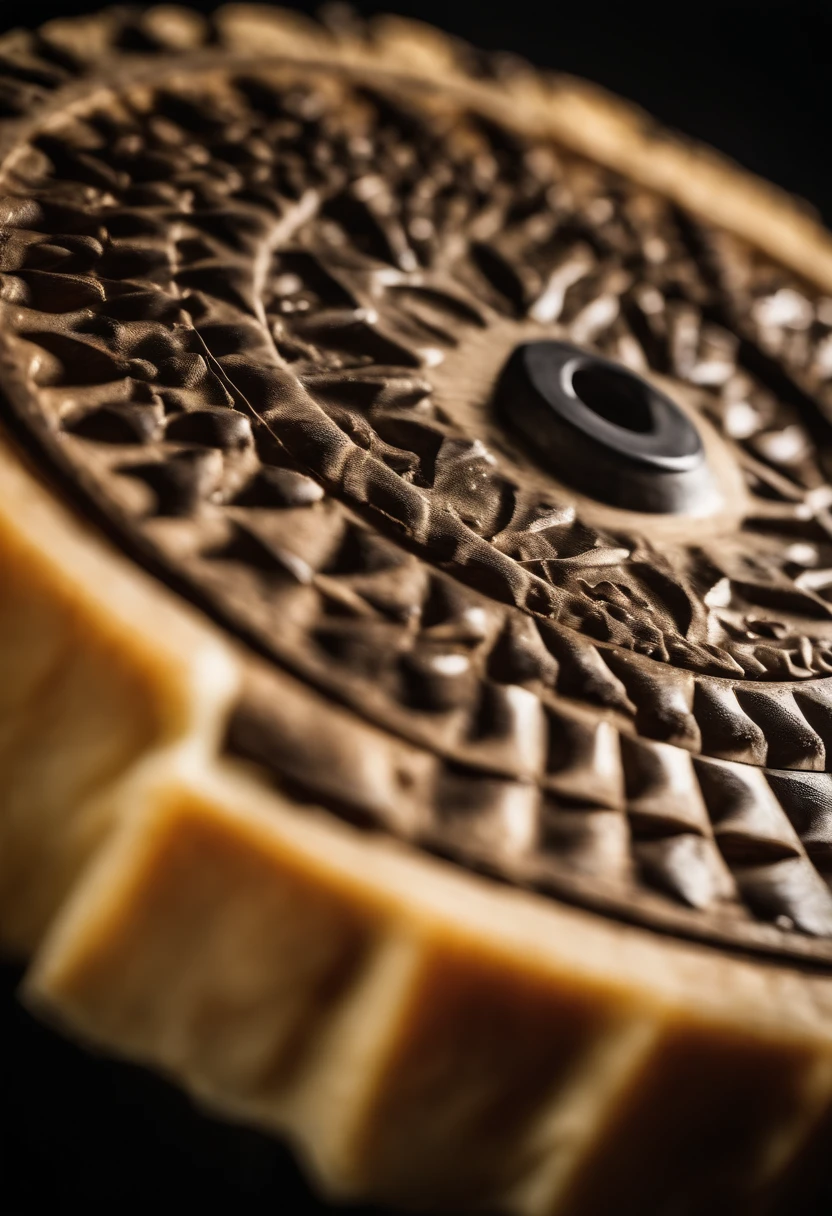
column 416, row 559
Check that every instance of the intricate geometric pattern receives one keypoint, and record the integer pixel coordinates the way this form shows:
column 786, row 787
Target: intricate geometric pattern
column 255, row 315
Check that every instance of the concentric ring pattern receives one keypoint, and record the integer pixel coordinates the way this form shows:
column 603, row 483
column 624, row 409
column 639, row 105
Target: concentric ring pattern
column 249, row 310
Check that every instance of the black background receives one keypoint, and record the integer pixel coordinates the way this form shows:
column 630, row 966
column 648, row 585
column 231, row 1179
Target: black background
column 752, row 78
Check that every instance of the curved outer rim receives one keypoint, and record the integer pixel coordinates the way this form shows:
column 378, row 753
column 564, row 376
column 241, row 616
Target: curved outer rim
column 324, row 967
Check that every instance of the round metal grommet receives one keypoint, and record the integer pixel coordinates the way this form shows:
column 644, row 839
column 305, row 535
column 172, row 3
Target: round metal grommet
column 604, row 429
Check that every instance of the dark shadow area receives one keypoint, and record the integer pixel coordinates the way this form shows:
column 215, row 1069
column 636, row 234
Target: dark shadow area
column 112, row 1137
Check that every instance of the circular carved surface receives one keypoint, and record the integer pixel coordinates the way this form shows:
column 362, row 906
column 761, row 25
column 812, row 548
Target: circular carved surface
column 257, row 313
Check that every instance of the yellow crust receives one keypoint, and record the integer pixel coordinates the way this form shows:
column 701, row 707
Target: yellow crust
column 424, row 1036
column 89, row 692
column 422, row 1033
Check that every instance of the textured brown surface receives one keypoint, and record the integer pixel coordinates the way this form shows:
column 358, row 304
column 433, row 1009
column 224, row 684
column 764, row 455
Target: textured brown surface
column 255, row 371
column 257, row 315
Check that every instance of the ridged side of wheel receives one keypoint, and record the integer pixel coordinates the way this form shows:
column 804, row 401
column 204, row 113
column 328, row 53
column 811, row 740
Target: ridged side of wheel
column 425, row 1036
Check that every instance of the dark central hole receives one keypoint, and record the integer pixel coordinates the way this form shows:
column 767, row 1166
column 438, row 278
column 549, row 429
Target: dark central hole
column 614, row 396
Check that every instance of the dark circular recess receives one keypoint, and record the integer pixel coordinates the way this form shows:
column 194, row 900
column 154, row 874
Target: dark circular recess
column 604, row 429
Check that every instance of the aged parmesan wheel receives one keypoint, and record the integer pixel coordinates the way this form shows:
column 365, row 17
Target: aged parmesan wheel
column 416, row 601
